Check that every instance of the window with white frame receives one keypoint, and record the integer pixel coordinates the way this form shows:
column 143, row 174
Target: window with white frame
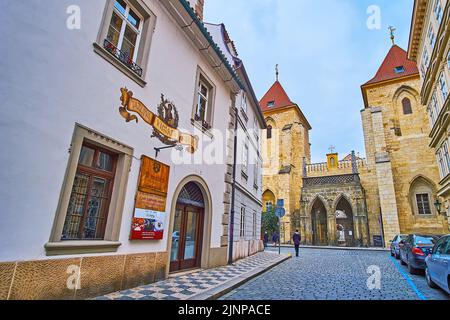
column 431, row 36
column 446, row 155
column 443, row 86
column 125, row 36
column 256, row 129
column 423, row 204
column 245, row 158
column 438, row 11
column 433, row 109
column 125, row 29
column 124, row 32
column 244, row 102
column 448, row 60
column 425, row 60
column 242, row 223
column 443, row 168
column 254, row 224
column 255, row 174
column 204, row 102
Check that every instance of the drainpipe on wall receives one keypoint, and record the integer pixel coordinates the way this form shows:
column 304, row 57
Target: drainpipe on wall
column 233, row 189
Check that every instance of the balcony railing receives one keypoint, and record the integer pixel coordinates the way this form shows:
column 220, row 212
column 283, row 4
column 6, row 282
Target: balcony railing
column 122, row 57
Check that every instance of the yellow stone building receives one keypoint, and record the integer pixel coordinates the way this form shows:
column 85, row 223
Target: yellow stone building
column 402, row 176
column 285, row 148
column 429, row 45
column 354, row 201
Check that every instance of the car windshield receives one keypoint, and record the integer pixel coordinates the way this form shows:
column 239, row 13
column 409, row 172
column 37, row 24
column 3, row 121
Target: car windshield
column 421, row 240
column 403, row 237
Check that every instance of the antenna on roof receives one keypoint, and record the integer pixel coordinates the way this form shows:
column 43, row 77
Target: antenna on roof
column 277, row 72
column 392, row 30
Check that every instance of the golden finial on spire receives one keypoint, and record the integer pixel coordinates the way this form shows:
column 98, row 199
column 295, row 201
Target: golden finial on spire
column 392, row 30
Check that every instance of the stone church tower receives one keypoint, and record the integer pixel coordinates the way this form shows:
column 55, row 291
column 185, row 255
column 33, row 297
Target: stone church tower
column 402, row 175
column 285, row 148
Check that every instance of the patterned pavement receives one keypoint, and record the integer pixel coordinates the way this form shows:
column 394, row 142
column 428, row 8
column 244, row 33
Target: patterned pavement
column 188, row 286
column 324, row 274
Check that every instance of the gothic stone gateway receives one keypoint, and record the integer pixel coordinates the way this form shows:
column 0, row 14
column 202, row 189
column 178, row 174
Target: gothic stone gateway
column 333, row 211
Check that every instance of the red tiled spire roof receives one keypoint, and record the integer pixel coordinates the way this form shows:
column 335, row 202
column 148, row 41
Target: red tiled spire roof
column 397, row 57
column 276, row 96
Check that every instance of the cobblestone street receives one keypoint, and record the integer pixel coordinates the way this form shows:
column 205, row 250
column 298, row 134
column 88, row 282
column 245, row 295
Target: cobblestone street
column 323, row 274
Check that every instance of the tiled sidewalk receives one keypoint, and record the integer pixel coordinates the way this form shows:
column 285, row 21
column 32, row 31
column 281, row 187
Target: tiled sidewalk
column 203, row 284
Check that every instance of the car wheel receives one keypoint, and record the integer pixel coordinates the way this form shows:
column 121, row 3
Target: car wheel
column 397, row 256
column 430, row 282
column 411, row 269
column 392, row 254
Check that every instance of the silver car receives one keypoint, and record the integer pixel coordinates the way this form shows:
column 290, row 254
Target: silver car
column 395, row 245
column 438, row 265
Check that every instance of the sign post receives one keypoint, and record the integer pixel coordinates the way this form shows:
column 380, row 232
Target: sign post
column 280, row 212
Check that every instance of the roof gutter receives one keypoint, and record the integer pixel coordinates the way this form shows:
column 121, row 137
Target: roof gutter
column 253, row 96
column 225, row 64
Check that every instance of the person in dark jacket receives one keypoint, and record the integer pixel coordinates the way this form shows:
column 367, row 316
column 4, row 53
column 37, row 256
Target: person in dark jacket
column 275, row 239
column 266, row 239
column 296, row 238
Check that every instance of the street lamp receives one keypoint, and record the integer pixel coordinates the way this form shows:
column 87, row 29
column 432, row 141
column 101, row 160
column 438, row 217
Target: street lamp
column 437, row 204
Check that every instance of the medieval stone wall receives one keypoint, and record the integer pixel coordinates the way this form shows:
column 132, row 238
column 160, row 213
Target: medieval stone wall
column 398, row 153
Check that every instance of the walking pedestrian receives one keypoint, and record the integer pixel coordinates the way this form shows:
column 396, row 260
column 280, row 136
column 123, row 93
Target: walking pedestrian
column 296, row 238
column 266, row 239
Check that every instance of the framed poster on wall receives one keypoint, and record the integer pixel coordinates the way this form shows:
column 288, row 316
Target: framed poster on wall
column 150, row 202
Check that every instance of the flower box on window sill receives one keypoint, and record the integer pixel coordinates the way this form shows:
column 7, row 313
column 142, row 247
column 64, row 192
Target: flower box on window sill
column 203, row 126
column 121, row 66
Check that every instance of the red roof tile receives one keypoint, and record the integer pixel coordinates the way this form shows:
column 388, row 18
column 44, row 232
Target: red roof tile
column 395, row 58
column 276, row 95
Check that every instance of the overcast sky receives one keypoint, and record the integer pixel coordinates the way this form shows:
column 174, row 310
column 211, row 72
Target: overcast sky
column 325, row 51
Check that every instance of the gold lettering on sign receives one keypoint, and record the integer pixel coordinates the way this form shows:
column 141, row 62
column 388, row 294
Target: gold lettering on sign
column 164, row 124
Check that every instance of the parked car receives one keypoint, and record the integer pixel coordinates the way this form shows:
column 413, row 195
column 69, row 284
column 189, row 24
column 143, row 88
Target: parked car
column 395, row 245
column 437, row 269
column 415, row 249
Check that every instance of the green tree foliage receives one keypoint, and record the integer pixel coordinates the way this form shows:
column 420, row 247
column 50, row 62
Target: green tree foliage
column 269, row 222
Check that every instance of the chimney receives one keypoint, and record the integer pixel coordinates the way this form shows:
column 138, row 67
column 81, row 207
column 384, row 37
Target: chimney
column 199, row 6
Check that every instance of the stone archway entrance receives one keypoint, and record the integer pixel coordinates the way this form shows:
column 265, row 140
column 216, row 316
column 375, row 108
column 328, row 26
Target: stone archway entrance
column 319, row 224
column 344, row 223
column 187, row 235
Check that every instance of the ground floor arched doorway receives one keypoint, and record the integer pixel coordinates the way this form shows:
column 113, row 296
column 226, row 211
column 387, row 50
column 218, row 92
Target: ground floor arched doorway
column 319, row 224
column 187, row 235
column 344, row 223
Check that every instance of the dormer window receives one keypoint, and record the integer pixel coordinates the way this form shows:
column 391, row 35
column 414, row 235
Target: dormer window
column 399, row 69
column 271, row 104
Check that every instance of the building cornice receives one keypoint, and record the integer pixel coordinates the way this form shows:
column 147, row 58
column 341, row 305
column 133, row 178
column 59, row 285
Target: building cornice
column 195, row 30
column 417, row 25
column 286, row 108
column 441, row 124
column 436, row 56
column 366, row 87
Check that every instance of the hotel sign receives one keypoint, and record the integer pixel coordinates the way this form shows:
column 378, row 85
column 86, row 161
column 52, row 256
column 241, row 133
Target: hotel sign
column 165, row 124
column 150, row 203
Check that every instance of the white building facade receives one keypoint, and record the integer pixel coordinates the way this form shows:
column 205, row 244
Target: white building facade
column 89, row 206
column 429, row 46
column 246, row 201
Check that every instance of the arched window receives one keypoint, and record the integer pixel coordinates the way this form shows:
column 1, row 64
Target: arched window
column 269, row 132
column 422, row 197
column 407, row 109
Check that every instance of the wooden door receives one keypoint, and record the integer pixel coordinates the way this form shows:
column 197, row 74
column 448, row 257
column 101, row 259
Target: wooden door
column 187, row 238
